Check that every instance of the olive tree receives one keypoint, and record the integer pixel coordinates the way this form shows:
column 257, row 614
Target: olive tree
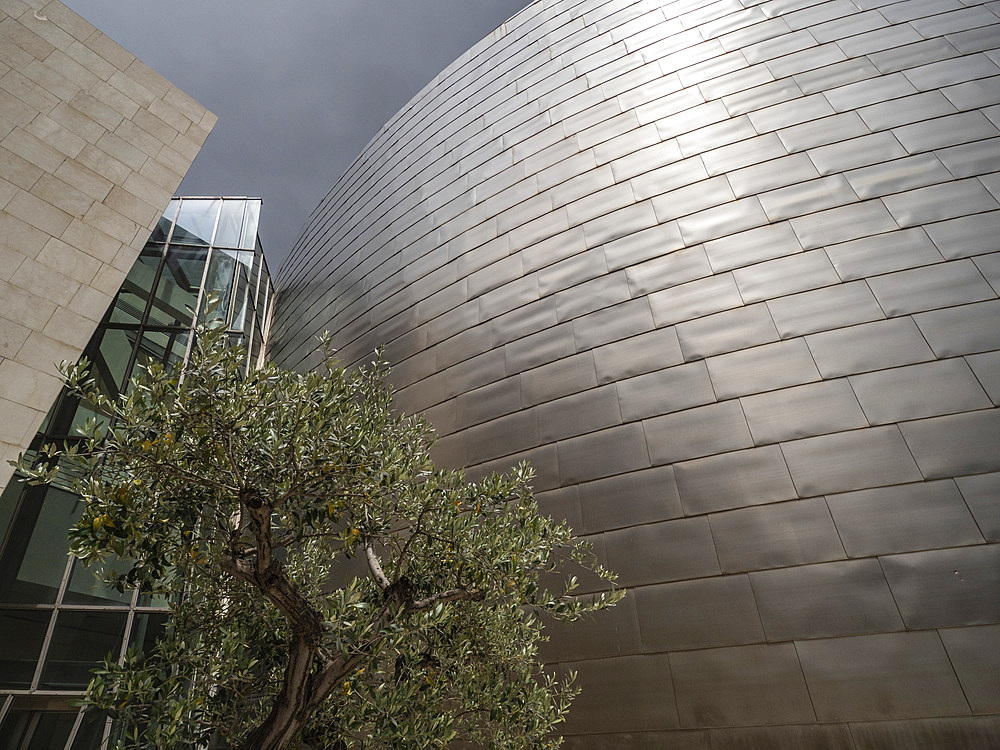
column 328, row 586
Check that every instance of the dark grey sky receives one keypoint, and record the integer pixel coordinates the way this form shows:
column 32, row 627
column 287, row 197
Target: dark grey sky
column 300, row 86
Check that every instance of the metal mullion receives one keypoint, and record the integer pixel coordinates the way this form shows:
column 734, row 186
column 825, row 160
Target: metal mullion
column 74, row 730
column 5, row 708
column 44, row 652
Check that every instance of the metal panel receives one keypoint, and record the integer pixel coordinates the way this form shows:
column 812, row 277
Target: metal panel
column 940, row 588
column 872, row 346
column 774, row 536
column 603, row 453
column 694, row 299
column 639, row 497
column 820, row 310
column 733, row 480
column 796, row 273
column 953, row 283
column 904, row 518
column 981, row 493
column 803, row 411
column 665, row 391
column 987, row 369
column 698, row 614
column 888, row 676
column 969, row 235
column 923, row 390
column 703, row 431
column 883, row 253
column 740, row 685
column 846, row 597
column 559, row 378
column 578, row 414
column 668, row 551
column 726, row 331
column 849, row 461
column 957, row 444
column 646, row 352
column 970, row 733
column 975, row 654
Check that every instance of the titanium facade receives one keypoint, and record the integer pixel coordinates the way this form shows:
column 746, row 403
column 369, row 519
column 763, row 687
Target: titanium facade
column 93, row 144
column 726, row 273
column 58, row 622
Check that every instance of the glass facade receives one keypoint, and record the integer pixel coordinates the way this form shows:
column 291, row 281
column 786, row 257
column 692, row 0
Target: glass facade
column 57, row 620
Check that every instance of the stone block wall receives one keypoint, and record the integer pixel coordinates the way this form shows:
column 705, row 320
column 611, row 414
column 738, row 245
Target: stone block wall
column 93, row 144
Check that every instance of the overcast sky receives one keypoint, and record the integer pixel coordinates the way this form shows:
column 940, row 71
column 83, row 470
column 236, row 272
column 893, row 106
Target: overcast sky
column 300, row 86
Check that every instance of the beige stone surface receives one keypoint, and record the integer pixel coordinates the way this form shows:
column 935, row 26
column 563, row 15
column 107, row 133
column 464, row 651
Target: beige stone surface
column 93, row 144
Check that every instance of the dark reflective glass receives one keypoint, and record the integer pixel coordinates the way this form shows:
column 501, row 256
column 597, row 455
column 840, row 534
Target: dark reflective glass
column 80, row 642
column 230, row 224
column 163, row 347
column 23, row 633
column 86, row 587
column 219, row 280
column 52, row 730
column 178, row 287
column 146, row 628
column 130, row 303
column 14, row 728
column 88, row 736
column 195, row 222
column 35, row 553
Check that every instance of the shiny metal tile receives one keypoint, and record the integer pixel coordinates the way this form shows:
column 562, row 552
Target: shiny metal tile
column 490, row 401
column 849, row 461
column 803, row 411
column 692, row 198
column 820, row 132
column 702, row 431
column 618, row 224
column 762, row 368
column 842, row 224
column 790, row 113
column 571, row 271
column 762, row 95
column 912, row 55
column 941, row 588
column 660, row 552
column 877, row 677
column 808, row 197
column 896, row 176
column 796, row 273
column 987, row 369
column 903, row 518
column 578, row 414
column 559, row 378
column 834, row 76
column 805, row 60
column 600, row 454
column 938, row 202
column 595, row 294
column 961, row 330
column 930, row 287
column 740, row 686
column 752, row 246
column 970, row 159
column 727, row 331
column 610, row 633
column 940, row 132
column 824, row 309
column 649, row 243
column 878, row 39
column 694, row 299
column 776, row 173
column 775, row 536
column 665, row 391
column 612, row 324
column 698, row 614
column 967, row 443
column 981, row 492
column 733, row 480
column 503, row 436
column 949, row 72
column 536, row 349
column 867, row 347
column 639, row 497
column 724, row 159
column 975, row 654
column 680, row 174
column 646, row 352
column 965, row 236
column 974, row 94
column 845, row 597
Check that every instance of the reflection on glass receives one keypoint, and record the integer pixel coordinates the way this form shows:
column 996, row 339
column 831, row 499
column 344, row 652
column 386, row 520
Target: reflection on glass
column 249, row 239
column 162, row 228
column 85, row 586
column 88, row 736
column 35, row 553
column 23, row 633
column 178, row 287
column 230, row 224
column 146, row 628
column 80, row 642
column 130, row 303
column 221, row 269
column 240, row 299
column 195, row 222
column 52, row 730
column 163, row 347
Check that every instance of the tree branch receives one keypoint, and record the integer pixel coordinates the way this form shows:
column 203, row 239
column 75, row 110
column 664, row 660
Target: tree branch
column 451, row 595
column 375, row 567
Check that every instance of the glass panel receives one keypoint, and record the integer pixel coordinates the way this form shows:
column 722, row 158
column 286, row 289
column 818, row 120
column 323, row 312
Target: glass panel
column 249, row 240
column 34, row 557
column 165, row 347
column 146, row 628
column 230, row 224
column 80, row 643
column 52, row 730
column 178, row 287
column 195, row 222
column 23, row 633
column 109, row 353
column 14, row 728
column 221, row 270
column 130, row 303
column 85, row 587
column 240, row 299
column 88, row 736
column 163, row 225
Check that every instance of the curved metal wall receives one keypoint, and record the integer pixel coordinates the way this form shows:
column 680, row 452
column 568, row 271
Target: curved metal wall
column 727, row 274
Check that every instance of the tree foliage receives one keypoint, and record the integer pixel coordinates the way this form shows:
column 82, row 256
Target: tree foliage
column 242, row 500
